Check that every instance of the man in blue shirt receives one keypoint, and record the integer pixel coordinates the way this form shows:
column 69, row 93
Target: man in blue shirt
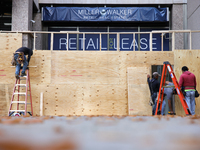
column 20, row 57
column 154, row 86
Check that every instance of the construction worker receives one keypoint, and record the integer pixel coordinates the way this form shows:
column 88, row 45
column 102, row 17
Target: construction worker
column 188, row 83
column 154, row 86
column 20, row 58
column 169, row 94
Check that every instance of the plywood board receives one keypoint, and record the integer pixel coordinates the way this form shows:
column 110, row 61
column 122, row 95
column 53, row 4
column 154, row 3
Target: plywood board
column 138, row 91
column 105, row 100
column 191, row 59
column 69, row 99
column 41, row 73
column 85, row 67
column 142, row 58
column 10, row 41
column 5, row 98
column 49, row 99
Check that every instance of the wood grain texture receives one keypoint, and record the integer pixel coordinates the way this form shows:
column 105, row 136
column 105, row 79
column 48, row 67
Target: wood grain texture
column 191, row 59
column 138, row 91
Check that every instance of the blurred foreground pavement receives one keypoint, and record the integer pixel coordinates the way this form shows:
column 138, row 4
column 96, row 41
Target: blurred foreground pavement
column 100, row 133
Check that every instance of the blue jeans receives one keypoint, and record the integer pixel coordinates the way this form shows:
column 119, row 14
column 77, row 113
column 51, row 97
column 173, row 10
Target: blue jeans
column 163, row 107
column 18, row 66
column 190, row 100
column 153, row 97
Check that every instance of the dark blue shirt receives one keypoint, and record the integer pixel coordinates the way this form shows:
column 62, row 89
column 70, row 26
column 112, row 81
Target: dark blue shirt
column 154, row 85
column 26, row 51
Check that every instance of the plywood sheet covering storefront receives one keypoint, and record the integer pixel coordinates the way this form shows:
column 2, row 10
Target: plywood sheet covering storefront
column 8, row 44
column 84, row 82
column 191, row 59
column 138, row 91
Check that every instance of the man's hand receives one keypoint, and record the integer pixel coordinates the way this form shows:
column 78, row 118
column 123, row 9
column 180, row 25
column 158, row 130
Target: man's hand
column 167, row 82
column 148, row 76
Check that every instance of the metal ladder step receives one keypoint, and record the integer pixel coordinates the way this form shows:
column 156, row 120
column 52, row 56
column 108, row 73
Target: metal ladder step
column 19, row 102
column 24, row 93
column 23, row 78
column 22, row 102
column 18, row 110
column 21, row 85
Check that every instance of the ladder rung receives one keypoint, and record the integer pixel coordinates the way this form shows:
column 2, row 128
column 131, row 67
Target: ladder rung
column 24, row 95
column 20, row 85
column 22, row 79
column 23, row 76
column 18, row 110
column 20, row 93
column 168, row 86
column 19, row 102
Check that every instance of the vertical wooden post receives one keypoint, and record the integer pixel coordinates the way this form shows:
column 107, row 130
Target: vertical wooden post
column 41, row 104
column 52, row 41
column 139, row 38
column 190, row 40
column 100, row 41
column 83, row 41
column 173, row 41
column 67, row 41
column 34, row 41
column 150, row 41
column 162, row 41
column 108, row 39
column 77, row 40
column 133, row 41
column 118, row 44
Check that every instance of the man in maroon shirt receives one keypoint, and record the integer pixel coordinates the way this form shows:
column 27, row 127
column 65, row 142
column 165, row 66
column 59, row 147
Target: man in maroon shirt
column 188, row 81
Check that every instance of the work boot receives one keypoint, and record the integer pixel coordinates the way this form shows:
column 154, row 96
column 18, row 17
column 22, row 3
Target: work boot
column 23, row 74
column 16, row 76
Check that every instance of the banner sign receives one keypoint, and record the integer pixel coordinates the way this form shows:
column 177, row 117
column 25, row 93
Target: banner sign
column 108, row 42
column 104, row 14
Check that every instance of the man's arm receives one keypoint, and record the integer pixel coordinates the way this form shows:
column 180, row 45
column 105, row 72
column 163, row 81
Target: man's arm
column 29, row 55
column 149, row 83
column 195, row 83
column 181, row 81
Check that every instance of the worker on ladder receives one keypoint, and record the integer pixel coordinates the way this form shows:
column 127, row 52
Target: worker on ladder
column 20, row 57
column 169, row 91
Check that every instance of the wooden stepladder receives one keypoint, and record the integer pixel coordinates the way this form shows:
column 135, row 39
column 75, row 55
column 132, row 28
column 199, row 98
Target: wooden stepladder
column 23, row 93
column 167, row 65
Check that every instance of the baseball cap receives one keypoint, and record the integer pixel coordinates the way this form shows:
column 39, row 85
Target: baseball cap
column 156, row 74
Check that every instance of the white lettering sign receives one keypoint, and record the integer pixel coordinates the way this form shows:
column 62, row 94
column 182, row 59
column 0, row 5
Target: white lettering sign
column 93, row 43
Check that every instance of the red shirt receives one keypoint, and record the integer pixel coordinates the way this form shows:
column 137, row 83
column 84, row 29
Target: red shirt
column 187, row 79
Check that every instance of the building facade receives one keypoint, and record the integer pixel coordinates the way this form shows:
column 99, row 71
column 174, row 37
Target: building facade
column 28, row 16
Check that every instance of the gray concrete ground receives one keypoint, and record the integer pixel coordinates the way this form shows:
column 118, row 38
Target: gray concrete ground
column 100, row 133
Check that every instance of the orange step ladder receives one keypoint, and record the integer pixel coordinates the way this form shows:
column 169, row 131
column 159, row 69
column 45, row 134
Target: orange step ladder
column 168, row 66
column 18, row 100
